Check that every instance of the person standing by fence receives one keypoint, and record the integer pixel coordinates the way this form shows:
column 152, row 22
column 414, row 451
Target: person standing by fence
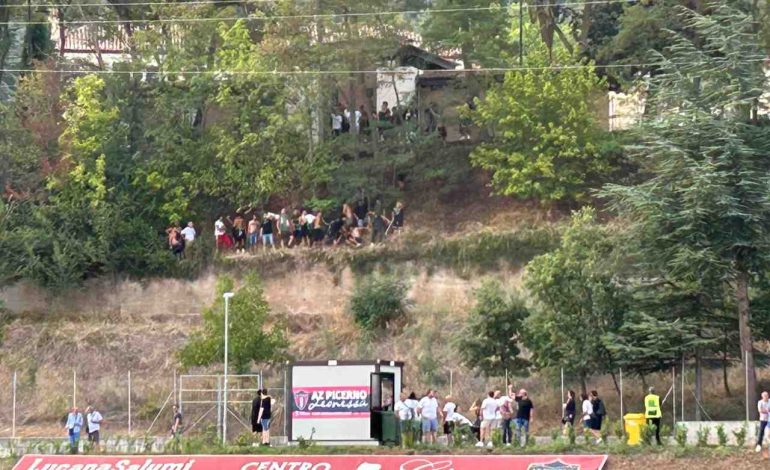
column 763, row 406
column 73, row 426
column 652, row 412
column 176, row 424
column 94, row 420
column 265, row 415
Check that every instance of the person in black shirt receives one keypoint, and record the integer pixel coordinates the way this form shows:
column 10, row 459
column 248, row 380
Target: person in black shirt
column 176, row 425
column 361, row 207
column 524, row 416
column 267, row 232
column 265, row 414
column 256, row 404
column 568, row 418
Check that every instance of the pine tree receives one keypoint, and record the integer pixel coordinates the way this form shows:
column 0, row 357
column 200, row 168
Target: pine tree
column 703, row 212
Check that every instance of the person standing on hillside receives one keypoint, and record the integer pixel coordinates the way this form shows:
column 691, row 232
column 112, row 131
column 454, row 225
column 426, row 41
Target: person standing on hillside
column 489, row 409
column 285, row 228
column 763, row 406
column 267, row 232
column 652, row 412
column 525, row 415
column 73, row 426
column 265, row 415
column 94, row 420
column 189, row 234
column 253, row 232
column 220, row 234
column 429, row 410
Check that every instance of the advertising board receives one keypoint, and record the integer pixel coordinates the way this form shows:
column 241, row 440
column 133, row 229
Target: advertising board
column 312, row 462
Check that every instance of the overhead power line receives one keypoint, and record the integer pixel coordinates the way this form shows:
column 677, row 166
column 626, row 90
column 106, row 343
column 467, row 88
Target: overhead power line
column 342, row 72
column 303, row 16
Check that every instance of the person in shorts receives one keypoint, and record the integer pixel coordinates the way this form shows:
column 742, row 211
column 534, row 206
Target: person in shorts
column 267, row 232
column 94, row 420
column 265, row 415
column 489, row 408
column 430, row 412
column 450, row 407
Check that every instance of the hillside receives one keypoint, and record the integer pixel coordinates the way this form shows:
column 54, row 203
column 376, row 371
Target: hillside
column 111, row 326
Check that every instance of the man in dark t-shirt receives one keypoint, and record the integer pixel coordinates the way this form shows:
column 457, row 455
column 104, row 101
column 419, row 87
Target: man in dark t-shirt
column 176, row 425
column 524, row 416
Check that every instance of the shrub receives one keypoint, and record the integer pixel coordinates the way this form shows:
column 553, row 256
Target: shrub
column 619, row 432
column 647, row 433
column 703, row 436
column 740, row 436
column 571, row 435
column 680, row 435
column 378, row 300
column 665, row 433
column 721, row 435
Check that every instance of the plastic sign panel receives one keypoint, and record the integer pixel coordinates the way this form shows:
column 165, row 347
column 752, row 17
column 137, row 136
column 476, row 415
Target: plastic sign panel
column 330, row 402
column 313, row 462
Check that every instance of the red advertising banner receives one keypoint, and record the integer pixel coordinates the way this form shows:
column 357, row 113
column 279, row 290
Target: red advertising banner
column 313, row 462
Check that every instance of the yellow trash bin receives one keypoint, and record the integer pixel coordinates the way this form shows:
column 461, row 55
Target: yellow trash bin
column 633, row 426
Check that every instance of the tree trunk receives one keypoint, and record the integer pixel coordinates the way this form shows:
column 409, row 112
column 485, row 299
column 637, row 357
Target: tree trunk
column 615, row 381
column 698, row 386
column 583, row 386
column 62, row 32
column 724, row 369
column 747, row 344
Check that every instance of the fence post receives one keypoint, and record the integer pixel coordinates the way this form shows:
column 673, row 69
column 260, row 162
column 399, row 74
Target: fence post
column 451, row 381
column 129, row 403
column 74, row 388
column 13, row 425
column 746, row 368
column 219, row 408
column 673, row 391
column 287, row 400
column 562, row 392
column 682, row 402
column 620, row 371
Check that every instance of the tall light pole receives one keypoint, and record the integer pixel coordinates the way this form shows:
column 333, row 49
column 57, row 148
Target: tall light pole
column 227, row 296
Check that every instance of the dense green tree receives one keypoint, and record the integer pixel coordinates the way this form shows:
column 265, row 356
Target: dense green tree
column 577, row 301
column 255, row 336
column 704, row 211
column 545, row 138
column 490, row 340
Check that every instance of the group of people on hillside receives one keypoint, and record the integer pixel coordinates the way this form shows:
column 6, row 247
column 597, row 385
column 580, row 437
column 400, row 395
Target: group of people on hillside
column 354, row 225
column 344, row 121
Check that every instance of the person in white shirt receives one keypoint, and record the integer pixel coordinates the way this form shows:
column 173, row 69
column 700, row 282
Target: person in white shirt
column 588, row 411
column 403, row 413
column 189, row 233
column 449, row 410
column 430, row 413
column 336, row 123
column 763, row 406
column 489, row 409
column 220, row 233
column 94, row 420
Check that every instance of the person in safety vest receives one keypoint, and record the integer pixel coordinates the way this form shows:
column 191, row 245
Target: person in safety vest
column 652, row 412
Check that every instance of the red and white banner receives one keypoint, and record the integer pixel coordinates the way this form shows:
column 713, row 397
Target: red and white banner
column 313, row 462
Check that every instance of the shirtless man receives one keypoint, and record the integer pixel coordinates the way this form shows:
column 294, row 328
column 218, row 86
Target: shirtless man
column 253, row 233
